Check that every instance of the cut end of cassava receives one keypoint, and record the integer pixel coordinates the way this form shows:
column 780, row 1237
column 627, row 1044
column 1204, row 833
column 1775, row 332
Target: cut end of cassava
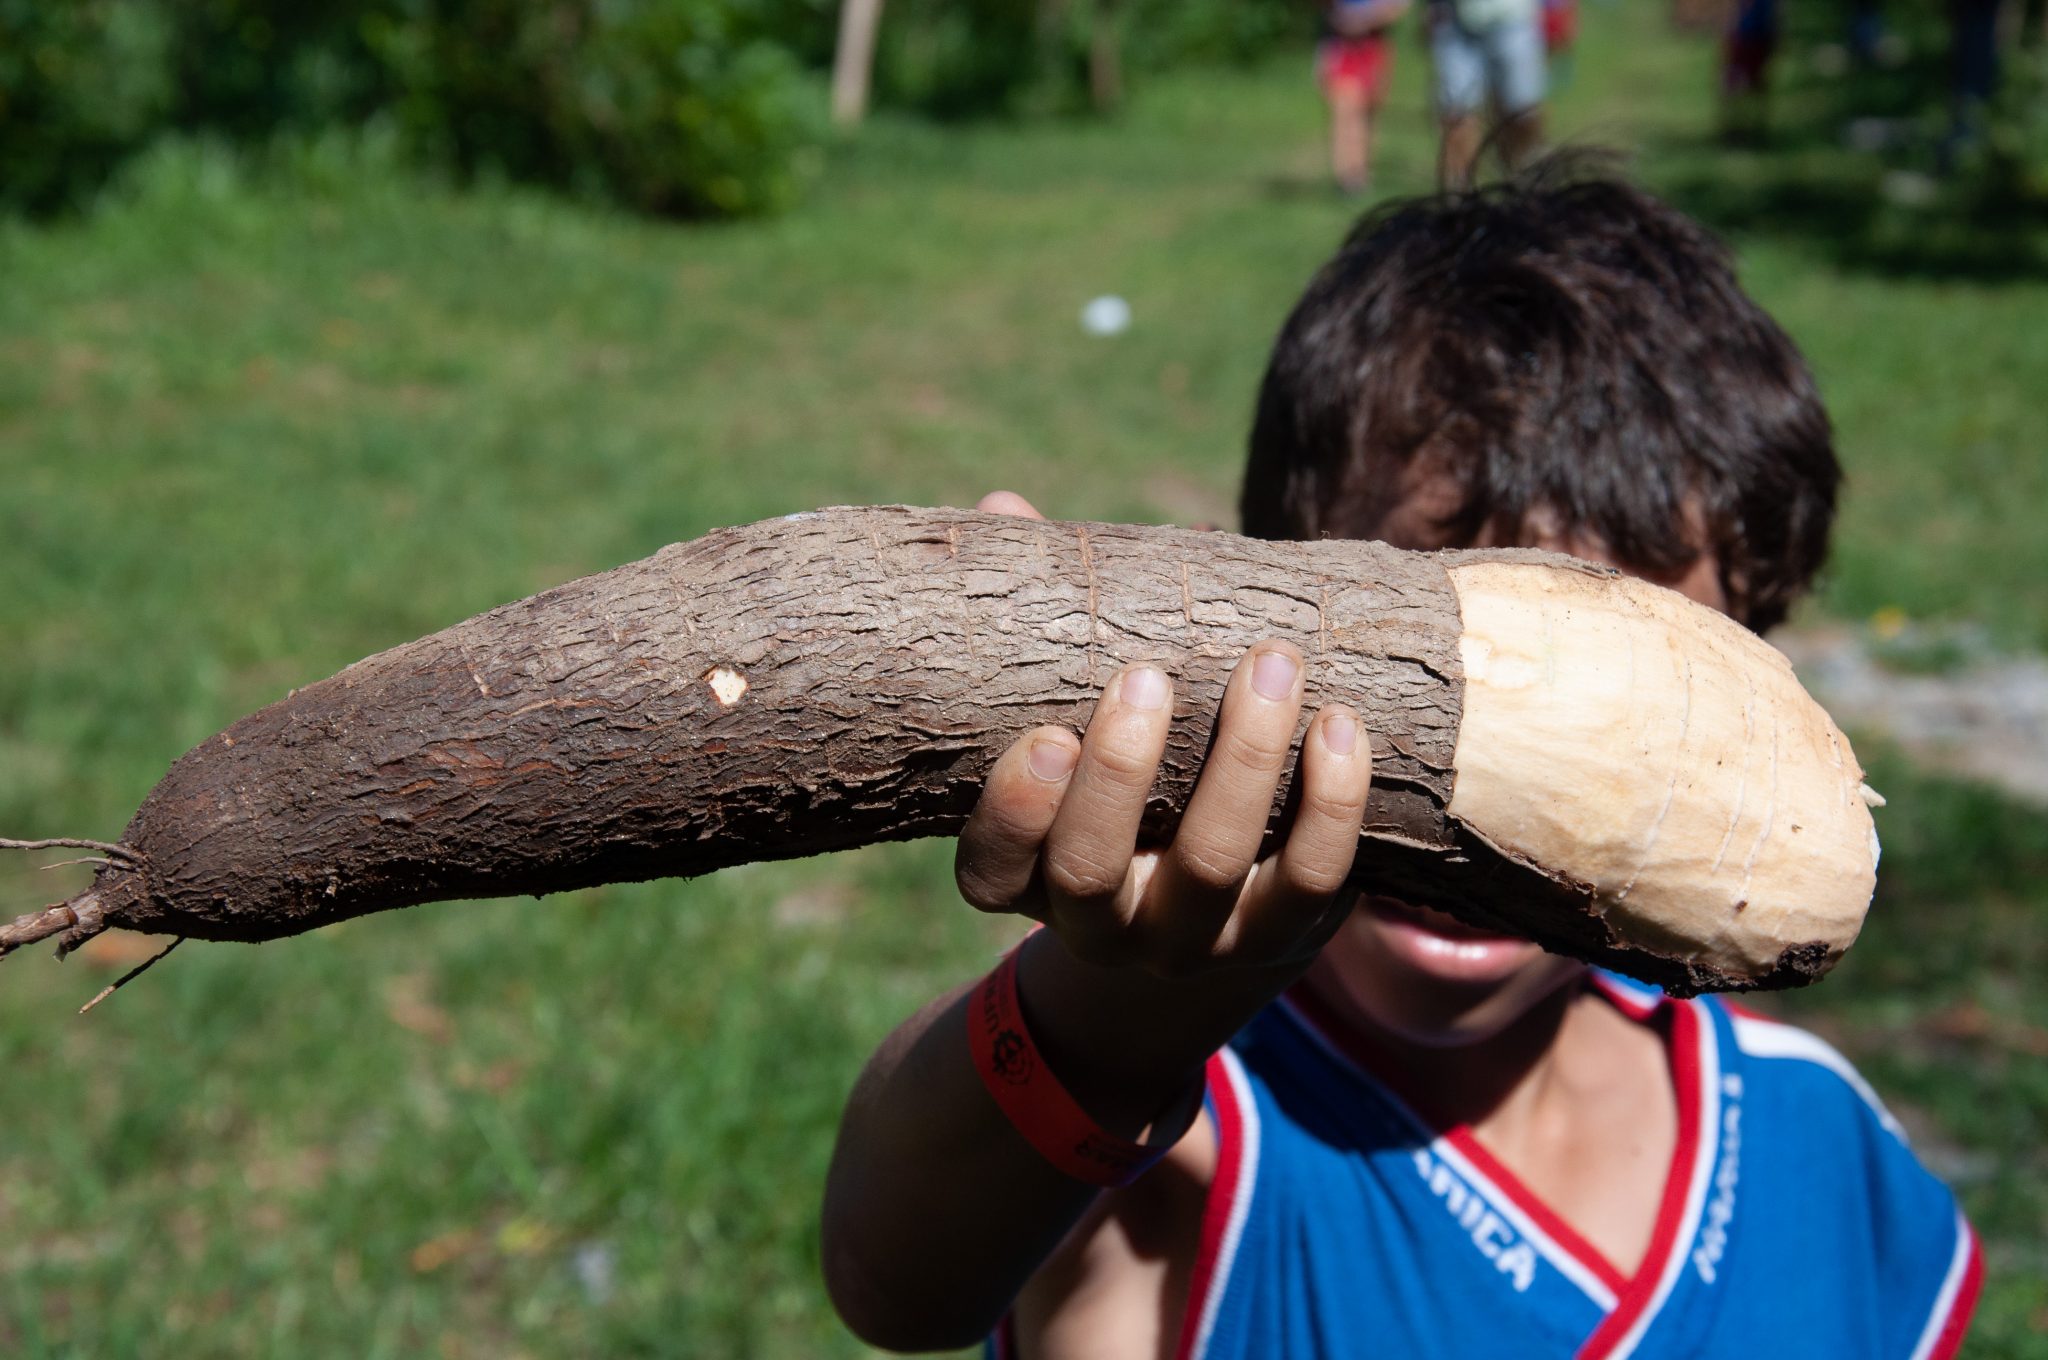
column 1665, row 761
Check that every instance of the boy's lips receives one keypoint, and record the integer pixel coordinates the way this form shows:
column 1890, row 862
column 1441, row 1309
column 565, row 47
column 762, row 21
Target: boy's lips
column 1442, row 946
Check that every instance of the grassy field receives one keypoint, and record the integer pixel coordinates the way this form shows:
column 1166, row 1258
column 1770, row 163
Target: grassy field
column 252, row 428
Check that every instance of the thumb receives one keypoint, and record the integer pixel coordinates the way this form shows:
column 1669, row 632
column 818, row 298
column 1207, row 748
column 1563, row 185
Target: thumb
column 1007, row 503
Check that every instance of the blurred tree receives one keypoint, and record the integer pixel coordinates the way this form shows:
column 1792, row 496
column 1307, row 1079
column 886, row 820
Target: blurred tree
column 675, row 106
column 853, row 60
column 81, row 85
column 976, row 58
column 249, row 67
column 671, row 106
column 1105, row 57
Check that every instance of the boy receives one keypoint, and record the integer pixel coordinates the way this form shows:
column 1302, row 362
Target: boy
column 1413, row 1138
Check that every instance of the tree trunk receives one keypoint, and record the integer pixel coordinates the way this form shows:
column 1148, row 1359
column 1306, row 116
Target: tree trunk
column 1105, row 57
column 833, row 679
column 853, row 60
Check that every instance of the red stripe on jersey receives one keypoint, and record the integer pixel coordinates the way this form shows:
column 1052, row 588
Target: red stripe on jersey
column 1634, row 1006
column 1217, row 1208
column 1645, row 1011
column 1680, row 1030
column 1963, row 1307
column 1672, row 1215
column 1542, row 1215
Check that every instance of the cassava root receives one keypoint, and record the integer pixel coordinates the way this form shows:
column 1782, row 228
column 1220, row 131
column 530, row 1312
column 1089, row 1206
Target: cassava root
column 1558, row 750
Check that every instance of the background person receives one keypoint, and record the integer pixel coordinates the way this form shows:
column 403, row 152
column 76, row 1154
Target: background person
column 1491, row 77
column 1746, row 52
column 1354, row 62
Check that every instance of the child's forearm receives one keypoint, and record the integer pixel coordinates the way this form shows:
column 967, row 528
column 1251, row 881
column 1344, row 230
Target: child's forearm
column 937, row 1210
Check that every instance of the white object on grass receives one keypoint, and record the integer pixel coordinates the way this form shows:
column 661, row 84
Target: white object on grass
column 1106, row 315
column 1909, row 188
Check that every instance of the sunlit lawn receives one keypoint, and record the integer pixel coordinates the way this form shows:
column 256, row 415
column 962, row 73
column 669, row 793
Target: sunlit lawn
column 250, row 433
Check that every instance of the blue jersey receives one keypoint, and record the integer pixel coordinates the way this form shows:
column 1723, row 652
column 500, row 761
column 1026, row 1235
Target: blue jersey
column 1795, row 1222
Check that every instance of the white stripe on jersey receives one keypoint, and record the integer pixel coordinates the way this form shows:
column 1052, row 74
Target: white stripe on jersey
column 1240, row 1199
column 1760, row 1038
column 1546, row 1246
column 1704, row 1157
column 1951, row 1286
column 1565, row 1263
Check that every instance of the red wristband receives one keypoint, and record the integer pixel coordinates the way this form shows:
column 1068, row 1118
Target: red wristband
column 1031, row 1097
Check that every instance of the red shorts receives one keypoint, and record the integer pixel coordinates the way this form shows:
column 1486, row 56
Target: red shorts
column 1355, row 64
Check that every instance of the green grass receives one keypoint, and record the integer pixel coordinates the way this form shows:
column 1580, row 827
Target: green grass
column 1940, row 1005
column 253, row 429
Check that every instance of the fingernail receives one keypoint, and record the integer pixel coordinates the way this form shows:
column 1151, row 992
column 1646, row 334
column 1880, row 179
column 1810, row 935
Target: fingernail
column 1340, row 734
column 1143, row 687
column 1052, row 761
column 1273, row 675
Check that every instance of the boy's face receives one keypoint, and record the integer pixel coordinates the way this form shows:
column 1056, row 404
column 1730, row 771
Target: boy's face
column 1420, row 975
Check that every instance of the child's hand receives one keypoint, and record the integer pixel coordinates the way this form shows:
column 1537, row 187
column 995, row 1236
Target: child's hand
column 1054, row 836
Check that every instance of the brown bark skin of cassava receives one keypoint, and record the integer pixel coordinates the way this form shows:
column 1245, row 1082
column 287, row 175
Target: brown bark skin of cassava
column 814, row 683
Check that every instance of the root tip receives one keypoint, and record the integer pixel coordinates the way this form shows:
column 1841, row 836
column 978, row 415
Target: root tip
column 118, row 983
column 75, row 921
column 120, row 854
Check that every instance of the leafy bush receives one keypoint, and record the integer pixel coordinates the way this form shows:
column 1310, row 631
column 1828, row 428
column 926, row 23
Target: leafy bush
column 673, row 106
column 1163, row 34
column 681, row 106
column 962, row 58
column 81, row 85
column 676, row 106
column 247, row 68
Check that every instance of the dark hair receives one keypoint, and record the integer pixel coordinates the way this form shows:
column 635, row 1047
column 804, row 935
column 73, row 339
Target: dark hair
column 1561, row 345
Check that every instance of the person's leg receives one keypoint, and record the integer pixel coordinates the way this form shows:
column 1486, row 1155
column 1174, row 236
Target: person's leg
column 1973, row 75
column 1518, row 67
column 1376, row 69
column 1520, row 138
column 1460, row 94
column 1338, row 75
column 1975, row 54
column 1349, row 152
column 1368, row 126
column 1458, row 152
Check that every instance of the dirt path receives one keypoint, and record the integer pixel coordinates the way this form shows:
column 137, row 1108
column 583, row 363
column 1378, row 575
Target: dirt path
column 1947, row 699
